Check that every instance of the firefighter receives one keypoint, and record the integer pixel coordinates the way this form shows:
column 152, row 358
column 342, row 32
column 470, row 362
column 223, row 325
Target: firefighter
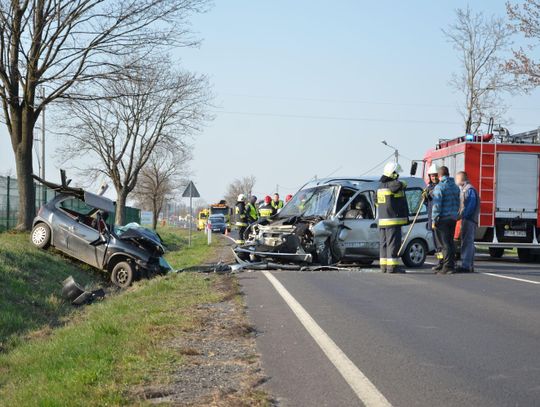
column 267, row 210
column 241, row 218
column 433, row 174
column 277, row 203
column 393, row 214
column 252, row 213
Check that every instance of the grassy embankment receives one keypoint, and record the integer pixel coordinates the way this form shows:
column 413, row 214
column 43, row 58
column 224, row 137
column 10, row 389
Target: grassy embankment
column 105, row 349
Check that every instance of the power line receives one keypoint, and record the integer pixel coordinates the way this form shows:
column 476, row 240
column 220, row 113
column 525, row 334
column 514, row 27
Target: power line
column 355, row 101
column 343, row 118
column 378, row 165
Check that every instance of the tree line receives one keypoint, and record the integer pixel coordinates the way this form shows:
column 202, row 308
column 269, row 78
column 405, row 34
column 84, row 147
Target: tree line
column 104, row 64
column 490, row 64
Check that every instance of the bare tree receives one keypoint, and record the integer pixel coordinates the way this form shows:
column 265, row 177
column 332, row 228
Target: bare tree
column 160, row 179
column 56, row 44
column 525, row 19
column 240, row 186
column 481, row 42
column 152, row 107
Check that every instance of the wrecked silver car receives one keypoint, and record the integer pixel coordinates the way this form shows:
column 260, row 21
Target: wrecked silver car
column 77, row 223
column 334, row 221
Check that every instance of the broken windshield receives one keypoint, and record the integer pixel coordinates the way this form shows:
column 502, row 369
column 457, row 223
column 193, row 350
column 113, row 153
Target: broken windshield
column 318, row 201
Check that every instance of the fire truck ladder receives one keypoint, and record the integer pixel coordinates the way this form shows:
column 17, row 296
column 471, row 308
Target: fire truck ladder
column 488, row 172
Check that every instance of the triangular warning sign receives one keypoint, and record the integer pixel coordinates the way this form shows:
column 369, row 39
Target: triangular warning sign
column 191, row 191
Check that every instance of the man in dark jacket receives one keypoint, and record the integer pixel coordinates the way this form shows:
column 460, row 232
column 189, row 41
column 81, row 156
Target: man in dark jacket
column 445, row 213
column 469, row 210
column 393, row 214
column 433, row 174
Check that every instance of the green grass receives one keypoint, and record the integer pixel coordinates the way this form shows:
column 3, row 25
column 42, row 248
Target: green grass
column 114, row 346
column 180, row 255
column 30, row 285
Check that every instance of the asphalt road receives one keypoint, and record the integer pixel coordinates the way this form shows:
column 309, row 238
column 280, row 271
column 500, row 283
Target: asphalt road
column 420, row 339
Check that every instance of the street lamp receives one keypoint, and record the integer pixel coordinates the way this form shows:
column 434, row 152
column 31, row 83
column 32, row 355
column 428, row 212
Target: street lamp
column 396, row 152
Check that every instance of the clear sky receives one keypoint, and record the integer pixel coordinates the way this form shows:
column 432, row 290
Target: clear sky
column 308, row 88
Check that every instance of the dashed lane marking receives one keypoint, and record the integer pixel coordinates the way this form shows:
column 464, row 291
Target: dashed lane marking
column 523, row 280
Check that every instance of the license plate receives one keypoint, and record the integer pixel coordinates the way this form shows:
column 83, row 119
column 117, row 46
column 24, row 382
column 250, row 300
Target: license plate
column 515, row 233
column 216, row 230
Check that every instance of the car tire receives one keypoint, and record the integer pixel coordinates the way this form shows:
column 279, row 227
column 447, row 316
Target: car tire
column 525, row 255
column 122, row 274
column 324, row 255
column 496, row 252
column 41, row 236
column 415, row 253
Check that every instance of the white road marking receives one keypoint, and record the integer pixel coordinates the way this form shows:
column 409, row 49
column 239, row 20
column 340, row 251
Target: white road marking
column 360, row 384
column 523, row 280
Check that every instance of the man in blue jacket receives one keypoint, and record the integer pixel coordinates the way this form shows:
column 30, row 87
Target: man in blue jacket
column 446, row 201
column 469, row 210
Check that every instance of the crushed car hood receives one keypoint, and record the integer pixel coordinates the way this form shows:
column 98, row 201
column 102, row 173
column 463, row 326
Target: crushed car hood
column 142, row 236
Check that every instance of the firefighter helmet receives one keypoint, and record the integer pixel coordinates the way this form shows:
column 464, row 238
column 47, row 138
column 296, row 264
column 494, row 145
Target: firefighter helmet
column 241, row 197
column 391, row 168
column 433, row 169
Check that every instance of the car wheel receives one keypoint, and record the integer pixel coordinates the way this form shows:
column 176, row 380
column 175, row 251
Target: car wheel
column 496, row 252
column 41, row 236
column 525, row 255
column 122, row 274
column 324, row 254
column 415, row 253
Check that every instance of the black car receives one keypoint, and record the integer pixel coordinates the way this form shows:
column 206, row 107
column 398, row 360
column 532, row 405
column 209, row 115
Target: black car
column 217, row 223
column 77, row 223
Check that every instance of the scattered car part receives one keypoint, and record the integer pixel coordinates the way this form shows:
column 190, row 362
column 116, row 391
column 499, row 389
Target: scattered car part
column 73, row 292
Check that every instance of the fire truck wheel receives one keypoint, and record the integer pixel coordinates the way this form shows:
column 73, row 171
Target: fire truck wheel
column 415, row 253
column 496, row 252
column 525, row 255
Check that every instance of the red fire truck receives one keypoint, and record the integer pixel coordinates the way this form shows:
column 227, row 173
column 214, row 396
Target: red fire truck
column 505, row 170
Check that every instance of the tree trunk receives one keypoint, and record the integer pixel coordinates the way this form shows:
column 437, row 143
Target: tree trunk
column 22, row 137
column 23, row 162
column 121, row 208
column 155, row 214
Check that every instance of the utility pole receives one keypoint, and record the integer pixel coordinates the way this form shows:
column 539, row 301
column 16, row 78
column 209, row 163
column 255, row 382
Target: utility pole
column 396, row 152
column 42, row 175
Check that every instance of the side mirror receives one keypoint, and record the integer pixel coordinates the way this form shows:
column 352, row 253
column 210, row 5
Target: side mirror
column 414, row 167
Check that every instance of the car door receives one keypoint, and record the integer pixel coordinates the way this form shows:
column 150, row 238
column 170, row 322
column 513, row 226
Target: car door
column 419, row 230
column 73, row 212
column 360, row 236
column 80, row 242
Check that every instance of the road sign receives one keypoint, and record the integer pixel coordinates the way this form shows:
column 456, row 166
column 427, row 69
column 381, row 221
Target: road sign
column 191, row 191
column 147, row 217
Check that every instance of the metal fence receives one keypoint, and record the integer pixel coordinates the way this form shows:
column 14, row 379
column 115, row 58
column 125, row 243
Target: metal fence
column 9, row 203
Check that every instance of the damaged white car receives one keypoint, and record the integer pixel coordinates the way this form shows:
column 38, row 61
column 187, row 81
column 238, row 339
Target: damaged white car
column 332, row 221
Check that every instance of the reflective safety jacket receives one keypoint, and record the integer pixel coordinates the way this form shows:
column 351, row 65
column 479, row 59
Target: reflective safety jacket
column 392, row 203
column 267, row 210
column 277, row 205
column 240, row 214
column 252, row 214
